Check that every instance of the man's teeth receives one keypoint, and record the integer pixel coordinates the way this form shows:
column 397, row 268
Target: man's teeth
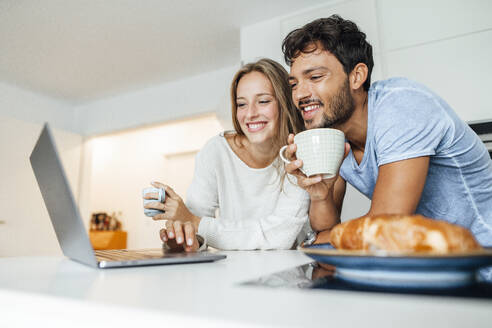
column 310, row 108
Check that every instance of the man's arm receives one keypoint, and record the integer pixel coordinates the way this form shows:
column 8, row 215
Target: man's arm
column 397, row 191
column 325, row 213
column 399, row 186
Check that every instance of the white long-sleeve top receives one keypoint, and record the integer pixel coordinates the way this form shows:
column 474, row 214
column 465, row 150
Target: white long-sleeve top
column 254, row 212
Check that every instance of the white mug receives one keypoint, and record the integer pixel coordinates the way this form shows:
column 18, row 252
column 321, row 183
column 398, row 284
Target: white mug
column 161, row 198
column 321, row 151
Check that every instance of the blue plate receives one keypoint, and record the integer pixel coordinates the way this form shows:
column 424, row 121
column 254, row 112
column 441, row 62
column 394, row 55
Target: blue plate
column 409, row 270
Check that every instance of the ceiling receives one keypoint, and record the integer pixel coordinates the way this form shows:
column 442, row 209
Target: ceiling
column 80, row 50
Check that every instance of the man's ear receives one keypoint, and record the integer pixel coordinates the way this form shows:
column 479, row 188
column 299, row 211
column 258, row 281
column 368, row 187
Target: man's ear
column 358, row 76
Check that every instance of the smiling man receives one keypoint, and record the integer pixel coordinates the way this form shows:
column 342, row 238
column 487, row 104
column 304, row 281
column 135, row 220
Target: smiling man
column 407, row 150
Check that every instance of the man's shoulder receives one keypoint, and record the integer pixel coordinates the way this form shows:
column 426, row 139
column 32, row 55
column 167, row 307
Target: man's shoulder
column 397, row 95
column 396, row 84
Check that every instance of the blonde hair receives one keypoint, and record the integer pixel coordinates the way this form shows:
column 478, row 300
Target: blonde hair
column 289, row 118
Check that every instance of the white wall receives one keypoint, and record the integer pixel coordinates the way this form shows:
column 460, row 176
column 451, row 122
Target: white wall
column 27, row 229
column 262, row 39
column 444, row 44
column 125, row 163
column 35, row 108
column 197, row 95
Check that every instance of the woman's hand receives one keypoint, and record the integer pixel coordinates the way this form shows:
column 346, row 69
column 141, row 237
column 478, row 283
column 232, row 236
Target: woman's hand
column 179, row 236
column 174, row 208
column 317, row 187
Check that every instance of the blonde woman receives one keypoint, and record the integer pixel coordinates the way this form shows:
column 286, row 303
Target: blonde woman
column 239, row 198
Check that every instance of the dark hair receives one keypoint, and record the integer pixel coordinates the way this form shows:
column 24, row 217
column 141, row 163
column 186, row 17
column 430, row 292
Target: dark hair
column 339, row 36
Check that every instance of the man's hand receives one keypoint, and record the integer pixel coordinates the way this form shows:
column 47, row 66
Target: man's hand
column 317, row 187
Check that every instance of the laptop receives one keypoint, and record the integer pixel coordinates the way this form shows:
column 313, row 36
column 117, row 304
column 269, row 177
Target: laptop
column 69, row 227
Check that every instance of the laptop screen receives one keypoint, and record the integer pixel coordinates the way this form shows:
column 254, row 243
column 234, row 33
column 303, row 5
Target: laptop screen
column 59, row 200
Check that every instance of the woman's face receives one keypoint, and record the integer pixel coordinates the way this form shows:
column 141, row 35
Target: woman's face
column 257, row 108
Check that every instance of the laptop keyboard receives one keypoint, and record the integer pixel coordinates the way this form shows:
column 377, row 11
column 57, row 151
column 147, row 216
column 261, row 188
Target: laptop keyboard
column 128, row 255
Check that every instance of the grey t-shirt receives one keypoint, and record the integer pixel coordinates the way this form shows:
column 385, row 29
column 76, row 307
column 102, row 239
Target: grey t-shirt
column 407, row 120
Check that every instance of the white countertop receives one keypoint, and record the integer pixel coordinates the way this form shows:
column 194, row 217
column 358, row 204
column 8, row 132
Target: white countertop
column 63, row 293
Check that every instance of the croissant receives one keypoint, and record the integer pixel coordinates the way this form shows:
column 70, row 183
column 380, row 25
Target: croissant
column 402, row 234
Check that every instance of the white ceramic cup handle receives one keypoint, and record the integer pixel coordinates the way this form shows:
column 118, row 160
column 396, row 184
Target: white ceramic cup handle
column 281, row 153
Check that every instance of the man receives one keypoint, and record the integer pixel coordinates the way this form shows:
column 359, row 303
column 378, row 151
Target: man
column 406, row 149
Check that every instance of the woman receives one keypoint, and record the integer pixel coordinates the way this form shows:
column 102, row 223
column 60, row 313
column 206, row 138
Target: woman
column 240, row 175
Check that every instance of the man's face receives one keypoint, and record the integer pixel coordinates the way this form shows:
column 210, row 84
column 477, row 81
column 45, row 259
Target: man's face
column 320, row 89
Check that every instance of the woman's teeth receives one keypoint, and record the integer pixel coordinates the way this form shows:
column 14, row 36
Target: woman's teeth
column 256, row 126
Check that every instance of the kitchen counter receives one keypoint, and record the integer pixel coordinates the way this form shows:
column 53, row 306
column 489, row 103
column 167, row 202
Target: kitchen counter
column 63, row 293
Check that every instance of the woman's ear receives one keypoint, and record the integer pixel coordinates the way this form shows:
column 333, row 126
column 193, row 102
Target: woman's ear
column 358, row 76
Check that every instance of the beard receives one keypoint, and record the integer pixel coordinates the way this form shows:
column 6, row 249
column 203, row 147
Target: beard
column 341, row 106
